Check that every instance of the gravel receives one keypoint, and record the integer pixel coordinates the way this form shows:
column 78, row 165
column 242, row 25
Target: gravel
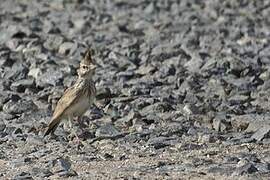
column 182, row 89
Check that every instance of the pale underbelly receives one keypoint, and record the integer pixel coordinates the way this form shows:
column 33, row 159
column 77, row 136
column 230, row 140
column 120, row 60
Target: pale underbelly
column 81, row 107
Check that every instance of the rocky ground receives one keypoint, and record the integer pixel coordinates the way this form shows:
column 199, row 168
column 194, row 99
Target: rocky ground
column 183, row 87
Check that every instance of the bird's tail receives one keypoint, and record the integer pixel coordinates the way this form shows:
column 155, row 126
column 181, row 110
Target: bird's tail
column 52, row 126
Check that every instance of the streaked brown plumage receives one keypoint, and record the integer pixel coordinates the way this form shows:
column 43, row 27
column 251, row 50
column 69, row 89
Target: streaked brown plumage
column 78, row 98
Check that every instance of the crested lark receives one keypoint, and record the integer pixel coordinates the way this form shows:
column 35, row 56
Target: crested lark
column 78, row 98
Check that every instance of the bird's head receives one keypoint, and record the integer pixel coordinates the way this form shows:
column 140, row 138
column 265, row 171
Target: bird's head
column 87, row 65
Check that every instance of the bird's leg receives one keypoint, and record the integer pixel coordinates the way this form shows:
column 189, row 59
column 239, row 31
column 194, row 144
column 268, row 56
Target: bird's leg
column 80, row 122
column 68, row 124
column 99, row 107
column 81, row 126
column 74, row 134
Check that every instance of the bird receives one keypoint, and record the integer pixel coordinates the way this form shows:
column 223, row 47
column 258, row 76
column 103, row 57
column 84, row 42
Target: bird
column 78, row 98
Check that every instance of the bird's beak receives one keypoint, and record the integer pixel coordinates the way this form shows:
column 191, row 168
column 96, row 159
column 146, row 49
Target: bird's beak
column 98, row 65
column 93, row 66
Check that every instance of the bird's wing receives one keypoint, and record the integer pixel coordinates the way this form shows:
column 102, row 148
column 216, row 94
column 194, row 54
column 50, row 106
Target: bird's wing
column 71, row 96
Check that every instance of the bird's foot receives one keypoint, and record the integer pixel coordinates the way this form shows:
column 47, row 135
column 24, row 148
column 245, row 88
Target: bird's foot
column 73, row 137
column 79, row 142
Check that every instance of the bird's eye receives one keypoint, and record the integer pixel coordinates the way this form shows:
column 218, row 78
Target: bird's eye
column 84, row 67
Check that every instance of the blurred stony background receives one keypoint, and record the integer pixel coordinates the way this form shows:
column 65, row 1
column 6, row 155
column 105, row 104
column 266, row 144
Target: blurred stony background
column 184, row 86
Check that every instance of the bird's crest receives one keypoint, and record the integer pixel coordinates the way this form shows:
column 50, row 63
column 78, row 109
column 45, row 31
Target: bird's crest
column 88, row 57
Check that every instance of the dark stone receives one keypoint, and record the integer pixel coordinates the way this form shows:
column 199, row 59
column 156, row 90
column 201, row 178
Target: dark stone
column 157, row 107
column 41, row 172
column 248, row 168
column 173, row 129
column 67, row 48
column 159, row 142
column 191, row 146
column 18, row 131
column 220, row 170
column 221, row 125
column 21, row 85
column 263, row 167
column 4, row 58
column 107, row 156
column 10, row 31
column 17, row 72
column 67, row 174
column 230, row 159
column 19, row 107
column 129, row 119
column 112, row 111
column 107, row 131
column 23, row 176
column 125, row 75
column 64, row 163
column 121, row 61
column 194, row 64
column 168, row 70
column 103, row 93
column 53, row 42
column 207, row 138
column 249, row 122
column 51, row 77
column 263, row 132
column 2, row 126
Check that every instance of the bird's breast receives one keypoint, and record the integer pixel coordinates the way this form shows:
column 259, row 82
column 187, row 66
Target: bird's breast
column 79, row 108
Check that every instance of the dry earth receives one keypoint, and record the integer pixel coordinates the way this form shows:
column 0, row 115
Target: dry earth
column 183, row 88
